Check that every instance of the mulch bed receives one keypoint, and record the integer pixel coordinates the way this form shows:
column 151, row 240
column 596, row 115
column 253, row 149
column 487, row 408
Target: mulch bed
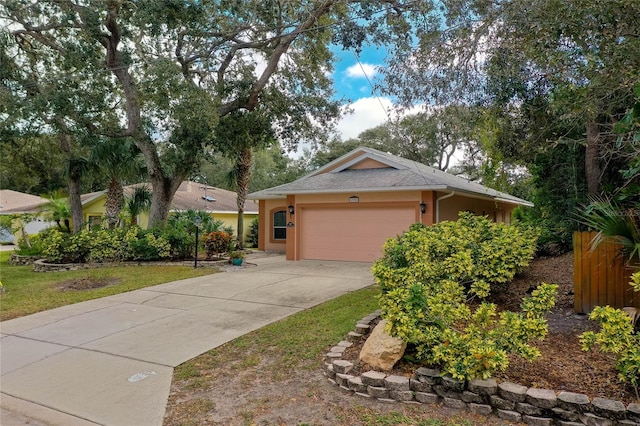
column 87, row 283
column 563, row 365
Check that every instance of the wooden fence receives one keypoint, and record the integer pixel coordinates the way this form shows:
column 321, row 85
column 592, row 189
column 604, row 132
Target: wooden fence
column 600, row 276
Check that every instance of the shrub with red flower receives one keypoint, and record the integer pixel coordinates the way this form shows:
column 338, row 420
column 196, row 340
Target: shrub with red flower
column 217, row 242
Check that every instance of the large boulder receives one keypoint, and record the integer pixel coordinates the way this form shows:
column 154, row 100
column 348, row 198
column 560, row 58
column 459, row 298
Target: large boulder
column 382, row 351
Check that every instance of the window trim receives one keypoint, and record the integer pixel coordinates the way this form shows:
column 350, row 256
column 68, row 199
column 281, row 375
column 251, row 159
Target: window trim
column 273, row 226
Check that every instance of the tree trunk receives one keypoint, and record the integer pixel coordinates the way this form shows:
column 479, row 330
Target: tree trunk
column 114, row 202
column 243, row 166
column 592, row 159
column 163, row 190
column 75, row 203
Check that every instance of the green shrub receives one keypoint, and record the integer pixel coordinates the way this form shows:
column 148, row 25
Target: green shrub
column 252, row 238
column 428, row 275
column 616, row 336
column 148, row 246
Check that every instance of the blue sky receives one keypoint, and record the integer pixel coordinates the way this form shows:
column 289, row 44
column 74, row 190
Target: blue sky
column 351, row 83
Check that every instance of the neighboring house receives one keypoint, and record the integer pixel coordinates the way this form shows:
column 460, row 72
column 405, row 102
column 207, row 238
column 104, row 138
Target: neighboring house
column 16, row 203
column 219, row 203
column 347, row 209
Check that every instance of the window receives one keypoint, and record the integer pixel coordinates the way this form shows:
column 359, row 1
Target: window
column 94, row 221
column 280, row 225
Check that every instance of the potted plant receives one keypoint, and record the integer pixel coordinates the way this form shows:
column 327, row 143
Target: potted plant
column 236, row 257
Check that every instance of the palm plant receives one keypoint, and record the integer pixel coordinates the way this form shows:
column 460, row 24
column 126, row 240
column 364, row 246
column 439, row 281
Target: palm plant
column 237, row 136
column 614, row 223
column 118, row 160
column 137, row 202
column 59, row 211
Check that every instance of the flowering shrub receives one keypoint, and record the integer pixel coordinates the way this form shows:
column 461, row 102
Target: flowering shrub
column 217, row 242
column 429, row 273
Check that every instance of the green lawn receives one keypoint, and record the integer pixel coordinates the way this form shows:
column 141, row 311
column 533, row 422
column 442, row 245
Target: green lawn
column 28, row 292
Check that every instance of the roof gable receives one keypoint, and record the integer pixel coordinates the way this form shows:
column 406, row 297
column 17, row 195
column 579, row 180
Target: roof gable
column 367, row 169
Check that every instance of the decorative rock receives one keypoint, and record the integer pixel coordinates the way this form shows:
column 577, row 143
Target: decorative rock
column 356, row 385
column 528, row 409
column 428, row 375
column 591, row 419
column 563, row 423
column 388, row 400
column 626, row 423
column 333, row 382
column 543, row 398
column 401, row 395
column 333, row 355
column 482, row 409
column 452, row 384
column 570, row 416
column 427, row 398
column 418, row 386
column 608, row 408
column 512, row 416
column 338, row 349
column 373, row 378
column 363, row 328
column 381, row 350
column 512, row 391
column 483, row 387
column 345, row 344
column 633, row 412
column 537, row 421
column 472, row 397
column 343, row 379
column 353, row 336
column 501, row 404
column 397, row 383
column 342, row 366
column 331, row 373
column 573, row 401
column 446, row 393
column 377, row 392
column 455, row 403
column 364, row 395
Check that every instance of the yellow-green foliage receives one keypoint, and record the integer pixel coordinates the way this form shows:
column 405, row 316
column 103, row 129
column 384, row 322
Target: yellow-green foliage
column 101, row 245
column 427, row 276
column 617, row 336
column 635, row 281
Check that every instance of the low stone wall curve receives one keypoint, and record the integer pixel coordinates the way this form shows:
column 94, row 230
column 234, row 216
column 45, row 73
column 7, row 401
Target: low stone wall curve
column 509, row 401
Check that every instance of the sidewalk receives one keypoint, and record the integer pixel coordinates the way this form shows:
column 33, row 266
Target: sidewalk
column 110, row 361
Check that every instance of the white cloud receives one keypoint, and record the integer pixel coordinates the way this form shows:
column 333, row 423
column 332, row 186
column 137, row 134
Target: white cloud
column 361, row 71
column 368, row 113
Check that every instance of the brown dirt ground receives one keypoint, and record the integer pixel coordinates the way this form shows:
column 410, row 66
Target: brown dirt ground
column 87, row 283
column 233, row 391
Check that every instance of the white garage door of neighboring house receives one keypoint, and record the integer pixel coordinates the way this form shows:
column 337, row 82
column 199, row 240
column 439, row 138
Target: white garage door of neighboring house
column 353, row 233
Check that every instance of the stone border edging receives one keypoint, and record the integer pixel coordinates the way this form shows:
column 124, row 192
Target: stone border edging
column 21, row 260
column 509, row 401
column 42, row 266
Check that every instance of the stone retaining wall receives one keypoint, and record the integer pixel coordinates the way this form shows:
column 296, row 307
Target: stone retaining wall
column 19, row 260
column 509, row 401
column 42, row 266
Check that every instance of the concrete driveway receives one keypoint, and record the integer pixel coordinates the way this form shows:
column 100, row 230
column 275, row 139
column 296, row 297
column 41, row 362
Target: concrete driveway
column 110, row 361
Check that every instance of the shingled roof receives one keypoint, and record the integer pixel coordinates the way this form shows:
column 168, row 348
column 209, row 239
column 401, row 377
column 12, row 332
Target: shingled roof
column 191, row 195
column 14, row 202
column 399, row 174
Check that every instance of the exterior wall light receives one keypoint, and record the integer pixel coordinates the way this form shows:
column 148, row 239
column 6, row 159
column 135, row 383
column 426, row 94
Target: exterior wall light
column 423, row 207
column 292, row 210
column 354, row 199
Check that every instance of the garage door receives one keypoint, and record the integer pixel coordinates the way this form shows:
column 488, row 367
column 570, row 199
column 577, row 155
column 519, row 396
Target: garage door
column 353, row 233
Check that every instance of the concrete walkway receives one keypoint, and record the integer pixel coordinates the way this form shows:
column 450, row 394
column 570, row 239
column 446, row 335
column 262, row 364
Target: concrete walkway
column 110, row 361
